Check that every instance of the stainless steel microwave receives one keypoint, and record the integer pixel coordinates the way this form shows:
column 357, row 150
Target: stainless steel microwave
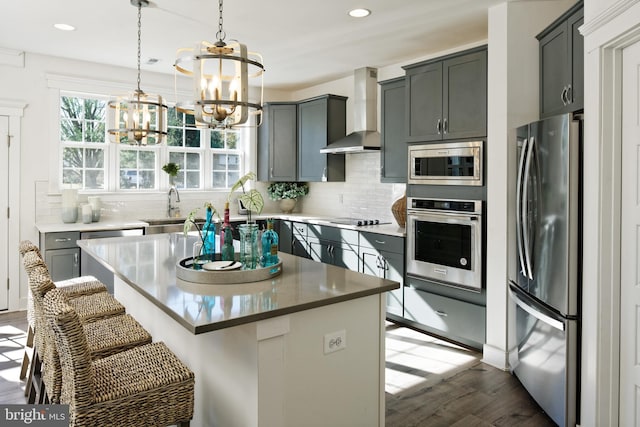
column 452, row 163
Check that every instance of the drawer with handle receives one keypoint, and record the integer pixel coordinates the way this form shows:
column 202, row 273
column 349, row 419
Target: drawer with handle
column 62, row 240
column 458, row 320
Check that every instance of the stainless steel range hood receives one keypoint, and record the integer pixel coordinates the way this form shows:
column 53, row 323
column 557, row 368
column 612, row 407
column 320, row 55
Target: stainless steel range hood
column 365, row 137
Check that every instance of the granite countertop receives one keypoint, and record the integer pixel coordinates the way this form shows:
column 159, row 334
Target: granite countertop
column 148, row 265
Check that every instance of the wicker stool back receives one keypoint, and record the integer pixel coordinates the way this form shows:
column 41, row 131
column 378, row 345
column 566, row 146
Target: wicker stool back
column 147, row 385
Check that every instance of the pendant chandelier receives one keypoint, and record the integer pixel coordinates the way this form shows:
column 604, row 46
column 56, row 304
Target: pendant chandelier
column 221, row 72
column 138, row 118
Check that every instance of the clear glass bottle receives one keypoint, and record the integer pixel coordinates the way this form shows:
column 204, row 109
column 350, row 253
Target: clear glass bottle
column 209, row 237
column 227, row 252
column 249, row 245
column 269, row 245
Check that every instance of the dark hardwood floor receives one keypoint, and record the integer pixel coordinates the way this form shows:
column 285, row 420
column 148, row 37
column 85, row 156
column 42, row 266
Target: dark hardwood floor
column 429, row 382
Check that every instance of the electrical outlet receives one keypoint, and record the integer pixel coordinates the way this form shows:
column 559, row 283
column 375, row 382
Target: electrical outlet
column 335, row 341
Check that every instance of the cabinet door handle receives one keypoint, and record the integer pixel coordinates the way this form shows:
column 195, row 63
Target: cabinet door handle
column 569, row 94
column 75, row 260
column 445, row 127
column 563, row 96
column 380, row 242
column 439, row 126
column 270, row 172
column 61, row 239
column 441, row 313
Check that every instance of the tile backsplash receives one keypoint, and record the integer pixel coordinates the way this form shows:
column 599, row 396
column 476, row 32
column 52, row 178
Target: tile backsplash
column 361, row 195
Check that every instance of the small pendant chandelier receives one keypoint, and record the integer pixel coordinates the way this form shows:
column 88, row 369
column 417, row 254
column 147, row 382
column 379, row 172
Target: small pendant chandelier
column 221, row 73
column 138, row 118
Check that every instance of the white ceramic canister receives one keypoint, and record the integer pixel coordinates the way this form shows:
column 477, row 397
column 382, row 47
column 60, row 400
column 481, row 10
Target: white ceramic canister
column 87, row 215
column 69, row 205
column 96, row 206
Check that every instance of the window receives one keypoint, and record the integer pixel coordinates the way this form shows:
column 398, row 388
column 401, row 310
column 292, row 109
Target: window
column 83, row 138
column 208, row 159
column 183, row 142
column 225, row 158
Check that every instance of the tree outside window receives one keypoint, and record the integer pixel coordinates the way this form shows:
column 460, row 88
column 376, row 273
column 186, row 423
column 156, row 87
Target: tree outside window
column 83, row 137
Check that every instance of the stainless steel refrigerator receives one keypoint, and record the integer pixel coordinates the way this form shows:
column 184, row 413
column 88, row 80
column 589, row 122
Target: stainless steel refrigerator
column 544, row 316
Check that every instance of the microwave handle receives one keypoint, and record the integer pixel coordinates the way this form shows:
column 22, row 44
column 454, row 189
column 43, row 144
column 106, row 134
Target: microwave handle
column 525, row 213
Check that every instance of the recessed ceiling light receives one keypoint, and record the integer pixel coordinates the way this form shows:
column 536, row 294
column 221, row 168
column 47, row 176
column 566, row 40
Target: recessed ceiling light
column 64, row 27
column 359, row 13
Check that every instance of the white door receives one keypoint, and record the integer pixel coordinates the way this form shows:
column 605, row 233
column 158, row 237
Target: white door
column 630, row 251
column 4, row 205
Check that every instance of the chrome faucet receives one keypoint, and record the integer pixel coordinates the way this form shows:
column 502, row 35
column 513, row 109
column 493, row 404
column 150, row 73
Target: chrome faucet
column 173, row 210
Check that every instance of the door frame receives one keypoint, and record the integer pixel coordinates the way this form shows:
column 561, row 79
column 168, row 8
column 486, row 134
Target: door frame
column 606, row 35
column 14, row 111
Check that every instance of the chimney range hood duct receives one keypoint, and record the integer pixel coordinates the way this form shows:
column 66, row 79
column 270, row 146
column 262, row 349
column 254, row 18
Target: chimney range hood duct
column 365, row 138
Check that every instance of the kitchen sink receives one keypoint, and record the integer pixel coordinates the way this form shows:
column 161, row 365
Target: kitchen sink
column 166, row 225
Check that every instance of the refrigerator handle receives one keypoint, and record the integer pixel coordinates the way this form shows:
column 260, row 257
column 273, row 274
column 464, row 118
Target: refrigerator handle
column 519, row 209
column 535, row 313
column 525, row 212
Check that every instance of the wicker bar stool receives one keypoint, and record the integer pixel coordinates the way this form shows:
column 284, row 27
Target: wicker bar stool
column 106, row 335
column 147, row 385
column 32, row 361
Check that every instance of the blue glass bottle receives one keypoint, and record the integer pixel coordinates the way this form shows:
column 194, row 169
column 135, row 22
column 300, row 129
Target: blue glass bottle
column 209, row 237
column 269, row 245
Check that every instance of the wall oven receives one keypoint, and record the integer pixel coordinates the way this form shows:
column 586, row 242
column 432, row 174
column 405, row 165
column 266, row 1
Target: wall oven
column 444, row 241
column 452, row 163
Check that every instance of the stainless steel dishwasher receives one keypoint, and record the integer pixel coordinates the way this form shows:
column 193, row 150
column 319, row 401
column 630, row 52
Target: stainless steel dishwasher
column 90, row 266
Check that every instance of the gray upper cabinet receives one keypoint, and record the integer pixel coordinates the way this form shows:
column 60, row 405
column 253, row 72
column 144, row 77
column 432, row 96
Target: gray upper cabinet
column 277, row 142
column 393, row 143
column 562, row 64
column 447, row 98
column 321, row 120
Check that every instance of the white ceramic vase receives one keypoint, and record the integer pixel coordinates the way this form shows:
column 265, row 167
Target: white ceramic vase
column 287, row 205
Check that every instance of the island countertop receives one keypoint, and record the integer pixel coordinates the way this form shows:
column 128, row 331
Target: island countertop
column 148, row 265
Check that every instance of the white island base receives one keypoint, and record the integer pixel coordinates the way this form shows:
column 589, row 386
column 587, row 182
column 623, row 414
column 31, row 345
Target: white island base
column 274, row 372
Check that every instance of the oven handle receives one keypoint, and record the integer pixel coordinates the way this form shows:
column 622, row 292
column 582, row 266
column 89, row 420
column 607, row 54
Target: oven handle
column 525, row 214
column 519, row 202
column 424, row 214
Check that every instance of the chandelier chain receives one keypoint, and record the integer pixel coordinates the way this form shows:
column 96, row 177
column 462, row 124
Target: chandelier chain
column 139, row 38
column 220, row 34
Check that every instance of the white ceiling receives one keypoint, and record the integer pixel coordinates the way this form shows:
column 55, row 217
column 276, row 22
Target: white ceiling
column 302, row 42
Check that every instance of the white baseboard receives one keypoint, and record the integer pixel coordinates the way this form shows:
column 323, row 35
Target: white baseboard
column 495, row 357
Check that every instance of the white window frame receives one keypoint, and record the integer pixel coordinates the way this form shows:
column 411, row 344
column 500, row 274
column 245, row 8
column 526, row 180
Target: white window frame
column 60, row 85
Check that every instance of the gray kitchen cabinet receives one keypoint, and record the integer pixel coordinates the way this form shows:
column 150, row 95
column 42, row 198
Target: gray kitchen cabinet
column 451, row 318
column 446, row 98
column 561, row 49
column 285, row 235
column 321, row 120
column 333, row 245
column 278, row 142
column 383, row 256
column 393, row 143
column 299, row 242
column 61, row 254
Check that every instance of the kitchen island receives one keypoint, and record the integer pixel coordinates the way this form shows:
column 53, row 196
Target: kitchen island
column 302, row 348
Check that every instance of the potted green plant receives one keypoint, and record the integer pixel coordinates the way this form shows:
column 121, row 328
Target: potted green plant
column 253, row 201
column 172, row 170
column 287, row 193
